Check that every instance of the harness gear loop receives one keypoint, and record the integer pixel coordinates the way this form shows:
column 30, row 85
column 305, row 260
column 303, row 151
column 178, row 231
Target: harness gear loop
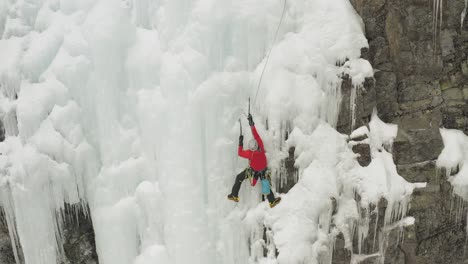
column 249, row 175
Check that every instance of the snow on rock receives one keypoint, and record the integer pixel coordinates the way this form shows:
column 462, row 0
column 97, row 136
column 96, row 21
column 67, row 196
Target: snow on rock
column 358, row 70
column 131, row 108
column 382, row 134
column 455, row 150
column 303, row 225
column 360, row 132
column 454, row 159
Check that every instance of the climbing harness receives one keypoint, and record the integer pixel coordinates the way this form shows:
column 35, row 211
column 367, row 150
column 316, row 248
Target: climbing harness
column 268, row 55
column 265, row 178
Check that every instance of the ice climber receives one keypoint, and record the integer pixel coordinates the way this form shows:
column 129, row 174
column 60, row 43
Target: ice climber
column 257, row 167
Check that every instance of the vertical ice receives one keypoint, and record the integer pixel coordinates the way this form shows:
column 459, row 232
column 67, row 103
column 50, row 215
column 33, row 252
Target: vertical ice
column 463, row 14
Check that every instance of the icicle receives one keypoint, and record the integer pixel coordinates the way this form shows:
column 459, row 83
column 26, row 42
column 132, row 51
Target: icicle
column 466, row 227
column 331, row 105
column 376, row 225
column 358, row 258
column 8, row 209
column 363, row 227
column 271, row 248
column 463, row 14
column 326, row 256
column 441, row 5
column 352, row 105
column 11, row 123
column 437, row 15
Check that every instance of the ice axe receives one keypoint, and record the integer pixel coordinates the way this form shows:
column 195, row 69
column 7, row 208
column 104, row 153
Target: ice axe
column 240, row 127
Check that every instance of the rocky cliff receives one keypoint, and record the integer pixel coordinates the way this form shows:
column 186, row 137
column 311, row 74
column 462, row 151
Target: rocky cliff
column 419, row 52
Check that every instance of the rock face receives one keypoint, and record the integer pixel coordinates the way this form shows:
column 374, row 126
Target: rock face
column 6, row 251
column 421, row 84
column 79, row 245
column 78, row 240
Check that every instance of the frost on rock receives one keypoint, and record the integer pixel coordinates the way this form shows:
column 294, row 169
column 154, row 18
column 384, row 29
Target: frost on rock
column 358, row 70
column 463, row 14
column 454, row 160
column 130, row 109
column 437, row 18
column 360, row 132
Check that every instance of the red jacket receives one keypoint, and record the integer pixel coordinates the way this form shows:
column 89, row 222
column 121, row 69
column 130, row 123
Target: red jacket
column 257, row 159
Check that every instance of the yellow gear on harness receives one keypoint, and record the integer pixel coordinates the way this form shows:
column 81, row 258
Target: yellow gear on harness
column 249, row 174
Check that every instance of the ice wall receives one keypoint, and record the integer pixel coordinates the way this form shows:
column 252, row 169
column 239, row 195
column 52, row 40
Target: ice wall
column 130, row 108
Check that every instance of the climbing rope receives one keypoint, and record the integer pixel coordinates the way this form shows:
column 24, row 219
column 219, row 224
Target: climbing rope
column 269, row 53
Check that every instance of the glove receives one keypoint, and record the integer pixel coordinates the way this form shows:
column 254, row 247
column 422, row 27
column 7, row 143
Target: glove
column 241, row 141
column 251, row 122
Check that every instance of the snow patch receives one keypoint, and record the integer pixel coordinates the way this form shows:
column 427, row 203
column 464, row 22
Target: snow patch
column 454, row 159
column 360, row 132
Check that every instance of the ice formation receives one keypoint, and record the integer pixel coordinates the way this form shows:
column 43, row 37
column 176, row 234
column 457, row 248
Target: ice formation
column 129, row 108
column 463, row 14
column 358, row 70
column 437, row 19
column 454, row 159
column 303, row 223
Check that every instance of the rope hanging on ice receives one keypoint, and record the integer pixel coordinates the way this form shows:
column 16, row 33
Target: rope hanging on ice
column 269, row 53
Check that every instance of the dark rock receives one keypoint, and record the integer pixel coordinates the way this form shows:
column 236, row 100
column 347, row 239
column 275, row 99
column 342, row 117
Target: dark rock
column 365, row 103
column 78, row 233
column 386, row 93
column 420, row 84
column 413, row 146
column 363, row 150
column 2, row 131
column 421, row 172
column 77, row 236
column 288, row 172
column 6, row 250
column 446, row 42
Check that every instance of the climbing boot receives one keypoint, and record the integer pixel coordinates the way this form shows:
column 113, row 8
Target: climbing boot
column 233, row 198
column 275, row 202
